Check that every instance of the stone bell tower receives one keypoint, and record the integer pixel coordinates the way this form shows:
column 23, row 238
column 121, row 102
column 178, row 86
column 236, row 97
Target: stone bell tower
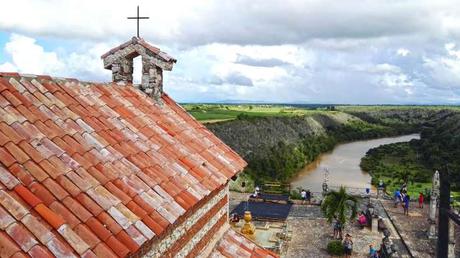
column 154, row 61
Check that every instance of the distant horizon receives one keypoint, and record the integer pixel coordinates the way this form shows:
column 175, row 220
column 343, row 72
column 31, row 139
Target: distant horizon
column 312, row 104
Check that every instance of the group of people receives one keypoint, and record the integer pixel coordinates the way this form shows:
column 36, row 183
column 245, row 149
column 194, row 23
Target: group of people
column 305, row 195
column 347, row 241
column 401, row 196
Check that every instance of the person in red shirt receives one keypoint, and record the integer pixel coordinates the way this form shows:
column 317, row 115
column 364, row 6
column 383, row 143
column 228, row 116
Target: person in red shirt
column 420, row 200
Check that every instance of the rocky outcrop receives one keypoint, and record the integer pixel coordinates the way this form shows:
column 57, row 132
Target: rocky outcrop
column 246, row 136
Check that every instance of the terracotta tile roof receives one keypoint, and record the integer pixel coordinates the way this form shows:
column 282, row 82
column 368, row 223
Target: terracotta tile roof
column 98, row 169
column 146, row 45
column 234, row 244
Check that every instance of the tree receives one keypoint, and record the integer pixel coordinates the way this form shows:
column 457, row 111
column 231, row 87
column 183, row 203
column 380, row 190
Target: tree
column 341, row 205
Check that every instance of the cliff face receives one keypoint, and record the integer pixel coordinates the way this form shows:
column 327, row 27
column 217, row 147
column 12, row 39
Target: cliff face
column 277, row 147
column 253, row 136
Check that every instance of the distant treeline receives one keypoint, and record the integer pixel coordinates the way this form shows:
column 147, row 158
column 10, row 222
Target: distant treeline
column 437, row 149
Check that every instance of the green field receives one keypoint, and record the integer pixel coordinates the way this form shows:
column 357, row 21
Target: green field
column 208, row 113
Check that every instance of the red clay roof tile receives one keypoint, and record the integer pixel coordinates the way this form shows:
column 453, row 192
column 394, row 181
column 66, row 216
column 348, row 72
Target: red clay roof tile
column 27, row 196
column 102, row 250
column 52, row 218
column 118, row 247
column 21, row 236
column 3, row 139
column 40, row 252
column 5, row 219
column 98, row 228
column 10, row 133
column 8, row 179
column 97, row 175
column 35, row 170
column 6, row 158
column 59, row 248
column 15, row 208
column 127, row 240
column 124, row 198
column 9, row 247
column 49, row 85
column 58, row 192
column 65, row 213
column 77, row 209
column 73, row 239
column 87, row 235
column 70, row 187
column 89, row 204
column 81, row 137
column 38, row 227
column 31, row 151
column 11, row 98
column 60, row 167
column 136, row 209
column 42, row 193
column 153, row 225
column 109, row 223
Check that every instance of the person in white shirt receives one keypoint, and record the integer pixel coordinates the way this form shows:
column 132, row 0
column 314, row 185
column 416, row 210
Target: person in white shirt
column 303, row 195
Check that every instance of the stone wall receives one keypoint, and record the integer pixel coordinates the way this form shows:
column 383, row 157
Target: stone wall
column 189, row 237
column 120, row 61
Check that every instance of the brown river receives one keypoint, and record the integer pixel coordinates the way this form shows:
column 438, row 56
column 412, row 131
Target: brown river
column 343, row 165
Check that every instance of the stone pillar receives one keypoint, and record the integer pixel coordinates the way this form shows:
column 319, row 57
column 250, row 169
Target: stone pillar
column 434, row 205
column 451, row 239
column 457, row 240
column 152, row 79
column 122, row 71
column 375, row 224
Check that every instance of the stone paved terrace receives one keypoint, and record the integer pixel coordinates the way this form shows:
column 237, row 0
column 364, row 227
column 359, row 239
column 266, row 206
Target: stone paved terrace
column 311, row 232
column 413, row 228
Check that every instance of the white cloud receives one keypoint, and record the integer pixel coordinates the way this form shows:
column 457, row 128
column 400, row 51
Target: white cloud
column 402, row 52
column 201, row 22
column 29, row 57
column 285, row 50
column 443, row 71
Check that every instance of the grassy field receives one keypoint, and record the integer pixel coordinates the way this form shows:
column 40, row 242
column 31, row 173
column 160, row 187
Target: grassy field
column 208, row 113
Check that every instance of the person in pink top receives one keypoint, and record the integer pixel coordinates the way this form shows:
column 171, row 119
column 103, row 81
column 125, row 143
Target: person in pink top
column 421, row 199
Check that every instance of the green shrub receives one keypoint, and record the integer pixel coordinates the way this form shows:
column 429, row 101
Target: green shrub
column 335, row 247
column 295, row 194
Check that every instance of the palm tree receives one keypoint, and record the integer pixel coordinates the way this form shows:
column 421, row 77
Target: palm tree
column 341, row 205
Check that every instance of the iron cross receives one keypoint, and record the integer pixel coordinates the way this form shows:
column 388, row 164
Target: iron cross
column 138, row 18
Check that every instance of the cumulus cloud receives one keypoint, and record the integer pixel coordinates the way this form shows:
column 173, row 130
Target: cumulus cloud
column 27, row 56
column 278, row 51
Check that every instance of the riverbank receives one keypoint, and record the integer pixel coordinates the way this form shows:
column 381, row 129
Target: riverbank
column 343, row 165
column 279, row 145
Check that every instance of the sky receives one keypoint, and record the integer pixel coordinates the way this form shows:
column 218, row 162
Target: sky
column 311, row 51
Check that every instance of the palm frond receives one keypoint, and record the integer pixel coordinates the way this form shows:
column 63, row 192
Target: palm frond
column 341, row 205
